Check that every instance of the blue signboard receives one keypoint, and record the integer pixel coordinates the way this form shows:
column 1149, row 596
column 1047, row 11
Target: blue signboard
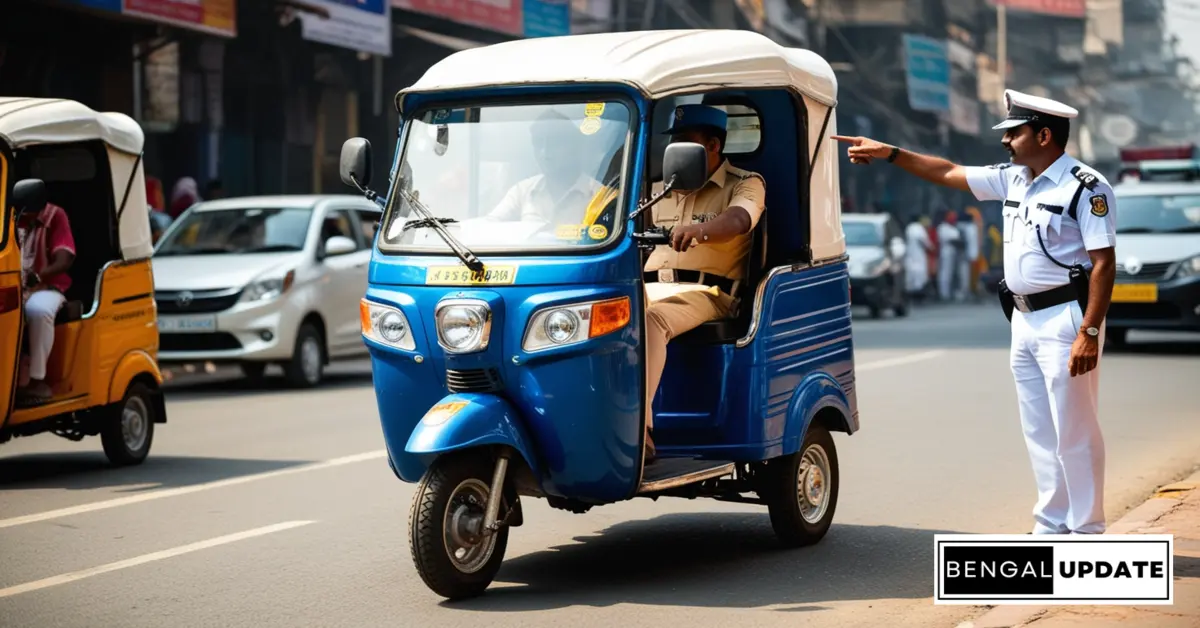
column 928, row 73
column 104, row 5
column 547, row 18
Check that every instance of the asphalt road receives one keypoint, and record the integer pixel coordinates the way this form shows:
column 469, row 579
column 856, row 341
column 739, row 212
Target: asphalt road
column 263, row 507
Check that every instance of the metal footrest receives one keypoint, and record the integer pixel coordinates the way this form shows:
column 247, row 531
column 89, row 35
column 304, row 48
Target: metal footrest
column 666, row 473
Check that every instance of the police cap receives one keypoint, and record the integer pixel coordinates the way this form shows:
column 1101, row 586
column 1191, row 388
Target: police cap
column 1026, row 109
column 689, row 117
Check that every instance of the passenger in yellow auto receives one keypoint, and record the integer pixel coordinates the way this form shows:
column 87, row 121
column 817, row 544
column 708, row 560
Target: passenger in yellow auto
column 693, row 280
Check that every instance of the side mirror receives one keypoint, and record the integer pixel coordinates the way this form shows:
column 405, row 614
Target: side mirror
column 339, row 245
column 355, row 163
column 687, row 163
column 29, row 195
column 898, row 247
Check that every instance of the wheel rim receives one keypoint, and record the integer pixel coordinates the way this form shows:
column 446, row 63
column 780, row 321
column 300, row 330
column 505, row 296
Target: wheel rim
column 462, row 527
column 135, row 423
column 310, row 359
column 812, row 483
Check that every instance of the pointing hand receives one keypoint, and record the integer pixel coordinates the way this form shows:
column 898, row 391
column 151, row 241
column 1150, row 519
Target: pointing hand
column 864, row 149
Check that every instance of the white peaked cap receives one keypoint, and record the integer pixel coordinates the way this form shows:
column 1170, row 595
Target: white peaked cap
column 1024, row 108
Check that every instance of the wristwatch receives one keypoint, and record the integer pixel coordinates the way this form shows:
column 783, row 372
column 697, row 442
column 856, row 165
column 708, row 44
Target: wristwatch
column 894, row 154
column 1091, row 331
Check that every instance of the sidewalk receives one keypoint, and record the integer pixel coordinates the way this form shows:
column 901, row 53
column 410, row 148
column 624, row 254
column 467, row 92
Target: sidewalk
column 1174, row 509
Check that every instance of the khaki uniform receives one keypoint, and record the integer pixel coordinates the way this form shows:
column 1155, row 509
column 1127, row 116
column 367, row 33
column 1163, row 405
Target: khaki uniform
column 676, row 308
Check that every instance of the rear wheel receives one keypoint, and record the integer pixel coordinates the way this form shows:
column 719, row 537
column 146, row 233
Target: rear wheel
column 450, row 550
column 801, row 490
column 129, row 427
column 307, row 366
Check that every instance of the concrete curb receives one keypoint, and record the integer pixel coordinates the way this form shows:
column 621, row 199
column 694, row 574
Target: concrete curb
column 1139, row 520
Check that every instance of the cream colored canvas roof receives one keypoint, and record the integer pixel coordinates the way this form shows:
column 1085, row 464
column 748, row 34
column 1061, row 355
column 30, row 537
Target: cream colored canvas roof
column 660, row 63
column 26, row 121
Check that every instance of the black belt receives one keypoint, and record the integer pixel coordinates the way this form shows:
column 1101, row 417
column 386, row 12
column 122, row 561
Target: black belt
column 693, row 276
column 1042, row 300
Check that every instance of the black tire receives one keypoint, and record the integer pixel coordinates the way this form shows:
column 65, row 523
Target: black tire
column 128, row 428
column 253, row 370
column 875, row 311
column 901, row 308
column 1116, row 336
column 782, row 493
column 447, row 478
column 300, row 371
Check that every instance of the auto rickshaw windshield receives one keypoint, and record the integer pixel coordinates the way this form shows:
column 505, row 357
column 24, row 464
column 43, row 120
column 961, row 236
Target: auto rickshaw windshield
column 512, row 177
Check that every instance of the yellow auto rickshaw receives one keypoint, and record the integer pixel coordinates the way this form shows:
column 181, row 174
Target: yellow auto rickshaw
column 102, row 376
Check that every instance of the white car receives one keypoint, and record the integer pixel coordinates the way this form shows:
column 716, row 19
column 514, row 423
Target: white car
column 260, row 280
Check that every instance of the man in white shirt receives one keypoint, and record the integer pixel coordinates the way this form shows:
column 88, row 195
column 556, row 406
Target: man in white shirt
column 916, row 258
column 561, row 192
column 949, row 250
column 1059, row 267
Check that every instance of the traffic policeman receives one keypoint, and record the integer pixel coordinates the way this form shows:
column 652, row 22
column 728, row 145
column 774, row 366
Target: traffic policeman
column 693, row 280
column 1059, row 267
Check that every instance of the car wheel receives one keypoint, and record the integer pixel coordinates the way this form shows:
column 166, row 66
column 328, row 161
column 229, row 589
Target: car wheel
column 307, row 366
column 801, row 490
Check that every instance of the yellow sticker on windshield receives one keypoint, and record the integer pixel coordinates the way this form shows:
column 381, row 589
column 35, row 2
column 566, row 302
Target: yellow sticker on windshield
column 463, row 276
column 594, row 109
column 598, row 232
column 568, row 232
column 590, row 126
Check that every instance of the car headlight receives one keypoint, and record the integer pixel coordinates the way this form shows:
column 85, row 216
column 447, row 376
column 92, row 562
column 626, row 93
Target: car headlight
column 267, row 289
column 463, row 326
column 386, row 325
column 571, row 324
column 1188, row 267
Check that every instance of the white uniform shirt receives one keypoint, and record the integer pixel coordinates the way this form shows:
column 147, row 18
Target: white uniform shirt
column 532, row 200
column 1044, row 204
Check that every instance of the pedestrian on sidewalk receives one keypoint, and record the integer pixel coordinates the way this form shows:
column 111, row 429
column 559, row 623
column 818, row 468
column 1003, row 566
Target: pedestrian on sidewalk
column 1059, row 266
column 950, row 239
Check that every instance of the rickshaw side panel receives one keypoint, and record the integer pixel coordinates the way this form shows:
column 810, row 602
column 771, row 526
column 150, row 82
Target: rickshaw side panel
column 750, row 403
column 484, row 420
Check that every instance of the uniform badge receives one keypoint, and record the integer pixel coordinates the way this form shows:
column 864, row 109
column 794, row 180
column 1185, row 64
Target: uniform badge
column 1099, row 206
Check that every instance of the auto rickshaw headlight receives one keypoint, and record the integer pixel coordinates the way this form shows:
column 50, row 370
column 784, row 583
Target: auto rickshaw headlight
column 385, row 325
column 463, row 326
column 570, row 324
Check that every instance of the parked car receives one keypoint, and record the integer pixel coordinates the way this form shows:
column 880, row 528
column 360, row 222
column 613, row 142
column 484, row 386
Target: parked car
column 876, row 249
column 261, row 280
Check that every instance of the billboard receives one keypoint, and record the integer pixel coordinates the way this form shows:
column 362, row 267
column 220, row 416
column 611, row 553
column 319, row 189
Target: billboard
column 1059, row 8
column 927, row 73
column 362, row 25
column 519, row 18
column 216, row 17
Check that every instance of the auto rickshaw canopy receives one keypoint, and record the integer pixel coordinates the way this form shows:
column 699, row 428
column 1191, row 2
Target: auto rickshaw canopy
column 30, row 122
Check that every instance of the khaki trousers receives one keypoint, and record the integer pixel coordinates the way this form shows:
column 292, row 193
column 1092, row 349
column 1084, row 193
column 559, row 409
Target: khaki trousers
column 669, row 316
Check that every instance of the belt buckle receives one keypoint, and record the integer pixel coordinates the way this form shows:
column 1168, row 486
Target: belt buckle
column 666, row 275
column 1022, row 303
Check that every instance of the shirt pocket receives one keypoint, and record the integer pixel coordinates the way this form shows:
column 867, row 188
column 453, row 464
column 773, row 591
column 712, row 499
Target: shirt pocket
column 1012, row 222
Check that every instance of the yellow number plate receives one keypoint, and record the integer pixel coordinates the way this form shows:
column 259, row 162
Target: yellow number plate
column 463, row 276
column 1135, row 293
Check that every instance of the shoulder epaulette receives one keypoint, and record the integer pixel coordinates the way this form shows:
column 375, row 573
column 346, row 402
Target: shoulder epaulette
column 1000, row 166
column 1088, row 179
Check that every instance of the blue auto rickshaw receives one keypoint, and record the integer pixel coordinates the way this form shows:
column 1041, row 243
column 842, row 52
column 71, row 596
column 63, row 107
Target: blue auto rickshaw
column 506, row 343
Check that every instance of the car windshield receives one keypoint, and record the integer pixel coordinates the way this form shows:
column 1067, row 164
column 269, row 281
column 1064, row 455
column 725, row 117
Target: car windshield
column 862, row 233
column 237, row 231
column 511, row 177
column 1168, row 213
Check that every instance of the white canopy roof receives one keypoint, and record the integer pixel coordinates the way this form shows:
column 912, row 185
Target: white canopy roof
column 659, row 63
column 26, row 121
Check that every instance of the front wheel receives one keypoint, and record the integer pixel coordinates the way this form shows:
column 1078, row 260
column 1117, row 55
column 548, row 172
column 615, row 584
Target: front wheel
column 802, row 490
column 307, row 366
column 128, row 427
column 449, row 549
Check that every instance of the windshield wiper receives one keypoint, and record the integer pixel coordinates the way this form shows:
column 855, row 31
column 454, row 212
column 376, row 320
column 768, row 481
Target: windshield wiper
column 461, row 251
column 1136, row 230
column 426, row 223
column 1187, row 229
column 212, row 250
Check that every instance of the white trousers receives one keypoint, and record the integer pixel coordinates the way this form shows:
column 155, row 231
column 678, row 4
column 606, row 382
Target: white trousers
column 946, row 269
column 1060, row 419
column 40, row 310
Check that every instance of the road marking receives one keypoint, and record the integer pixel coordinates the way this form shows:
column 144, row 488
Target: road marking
column 902, row 360
column 184, row 490
column 148, row 558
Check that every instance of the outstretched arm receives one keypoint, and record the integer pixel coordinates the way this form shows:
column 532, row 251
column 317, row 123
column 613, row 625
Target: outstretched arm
column 933, row 169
